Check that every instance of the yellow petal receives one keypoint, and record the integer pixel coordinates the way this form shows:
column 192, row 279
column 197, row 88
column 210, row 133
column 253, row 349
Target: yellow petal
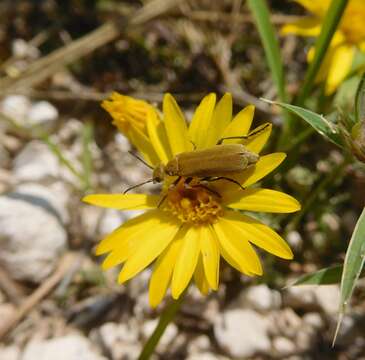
column 316, row 7
column 144, row 146
column 162, row 272
column 158, row 137
column 186, row 262
column 257, row 142
column 210, row 255
column 303, row 27
column 201, row 122
column 221, row 118
column 265, row 200
column 175, row 124
column 340, row 67
column 240, row 125
column 151, row 244
column 123, row 201
column 265, row 165
column 139, row 223
column 200, row 279
column 237, row 247
column 259, row 234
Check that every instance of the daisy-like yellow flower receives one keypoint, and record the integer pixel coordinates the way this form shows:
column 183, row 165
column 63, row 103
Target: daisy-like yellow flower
column 189, row 226
column 349, row 38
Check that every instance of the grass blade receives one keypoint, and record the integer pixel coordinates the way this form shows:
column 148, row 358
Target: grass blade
column 260, row 12
column 329, row 26
column 360, row 100
column 354, row 262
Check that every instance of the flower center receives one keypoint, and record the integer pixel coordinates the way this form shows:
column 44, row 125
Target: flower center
column 193, row 202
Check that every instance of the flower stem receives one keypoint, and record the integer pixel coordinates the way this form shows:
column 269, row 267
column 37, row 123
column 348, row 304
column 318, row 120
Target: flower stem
column 166, row 317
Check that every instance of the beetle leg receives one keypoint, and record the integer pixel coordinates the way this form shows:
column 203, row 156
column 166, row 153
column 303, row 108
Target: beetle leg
column 224, row 178
column 243, row 137
column 161, row 201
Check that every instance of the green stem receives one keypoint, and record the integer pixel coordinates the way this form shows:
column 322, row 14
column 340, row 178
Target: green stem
column 329, row 27
column 166, row 317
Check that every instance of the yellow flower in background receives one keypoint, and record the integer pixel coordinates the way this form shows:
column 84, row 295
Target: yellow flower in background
column 186, row 234
column 349, row 38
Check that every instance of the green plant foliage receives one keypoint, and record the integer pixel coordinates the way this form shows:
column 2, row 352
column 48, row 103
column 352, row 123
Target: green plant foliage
column 325, row 276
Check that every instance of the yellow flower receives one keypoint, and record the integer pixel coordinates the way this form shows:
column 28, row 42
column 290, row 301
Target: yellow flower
column 349, row 37
column 195, row 225
column 129, row 116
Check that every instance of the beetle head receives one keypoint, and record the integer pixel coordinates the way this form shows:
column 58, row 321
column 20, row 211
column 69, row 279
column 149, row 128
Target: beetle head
column 158, row 173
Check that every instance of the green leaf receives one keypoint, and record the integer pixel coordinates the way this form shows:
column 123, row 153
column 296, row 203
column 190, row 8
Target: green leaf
column 360, row 100
column 326, row 276
column 329, row 26
column 354, row 262
column 260, row 12
column 261, row 15
column 323, row 126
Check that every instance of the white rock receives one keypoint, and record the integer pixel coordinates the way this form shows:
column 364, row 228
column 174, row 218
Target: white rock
column 32, row 236
column 242, row 333
column 328, row 298
column 121, row 340
column 9, row 352
column 16, row 107
column 168, row 336
column 35, row 162
column 206, row 356
column 285, row 322
column 110, row 220
column 262, row 298
column 300, row 297
column 42, row 113
column 69, row 347
column 23, row 49
column 199, row 344
column 283, row 345
column 314, row 320
column 122, row 142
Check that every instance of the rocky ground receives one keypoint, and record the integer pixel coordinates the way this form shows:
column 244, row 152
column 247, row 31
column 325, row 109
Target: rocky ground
column 87, row 316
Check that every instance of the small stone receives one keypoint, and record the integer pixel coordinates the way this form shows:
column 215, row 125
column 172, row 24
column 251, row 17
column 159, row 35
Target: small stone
column 23, row 49
column 242, row 333
column 295, row 240
column 301, row 297
column 110, row 220
column 206, row 356
column 7, row 310
column 199, row 344
column 32, row 235
column 285, row 322
column 42, row 113
column 283, row 345
column 70, row 347
column 314, row 320
column 16, row 107
column 305, row 338
column 35, row 162
column 328, row 298
column 262, row 298
column 9, row 352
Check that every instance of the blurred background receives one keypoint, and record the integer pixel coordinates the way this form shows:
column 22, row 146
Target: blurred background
column 58, row 61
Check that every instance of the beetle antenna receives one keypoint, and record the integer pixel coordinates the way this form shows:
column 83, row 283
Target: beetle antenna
column 135, row 186
column 141, row 160
column 244, row 137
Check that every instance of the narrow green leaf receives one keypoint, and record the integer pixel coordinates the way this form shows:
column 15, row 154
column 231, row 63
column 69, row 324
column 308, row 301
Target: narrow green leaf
column 354, row 262
column 323, row 126
column 326, row 276
column 329, row 26
column 261, row 15
column 360, row 100
column 260, row 12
